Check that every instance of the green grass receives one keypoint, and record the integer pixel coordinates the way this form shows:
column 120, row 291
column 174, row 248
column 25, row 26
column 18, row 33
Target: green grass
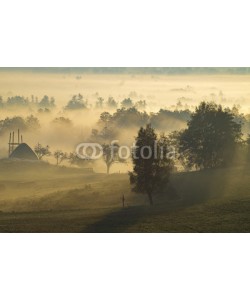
column 71, row 200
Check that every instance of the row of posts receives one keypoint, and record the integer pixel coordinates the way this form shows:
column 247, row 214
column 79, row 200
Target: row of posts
column 12, row 143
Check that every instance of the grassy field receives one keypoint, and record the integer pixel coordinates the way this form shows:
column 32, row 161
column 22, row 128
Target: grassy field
column 57, row 199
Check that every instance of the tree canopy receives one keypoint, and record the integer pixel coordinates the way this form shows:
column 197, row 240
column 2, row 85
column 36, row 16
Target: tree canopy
column 76, row 102
column 152, row 166
column 211, row 136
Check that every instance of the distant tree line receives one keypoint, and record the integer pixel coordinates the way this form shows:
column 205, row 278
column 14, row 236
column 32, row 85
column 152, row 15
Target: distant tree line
column 109, row 125
column 31, row 123
column 77, row 102
column 24, row 102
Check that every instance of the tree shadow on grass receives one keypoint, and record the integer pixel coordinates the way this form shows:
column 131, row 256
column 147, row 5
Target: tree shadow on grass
column 187, row 190
column 119, row 220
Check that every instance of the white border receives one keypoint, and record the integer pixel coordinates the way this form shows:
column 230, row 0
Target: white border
column 125, row 266
column 130, row 33
column 127, row 33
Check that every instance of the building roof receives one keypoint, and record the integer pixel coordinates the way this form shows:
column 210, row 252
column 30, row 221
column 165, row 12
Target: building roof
column 23, row 151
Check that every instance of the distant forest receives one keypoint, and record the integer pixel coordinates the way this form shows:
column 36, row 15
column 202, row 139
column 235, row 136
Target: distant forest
column 143, row 70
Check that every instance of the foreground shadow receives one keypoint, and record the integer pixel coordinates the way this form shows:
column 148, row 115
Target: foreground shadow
column 118, row 221
column 188, row 190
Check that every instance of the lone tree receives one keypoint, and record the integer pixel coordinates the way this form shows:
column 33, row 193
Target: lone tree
column 41, row 151
column 60, row 156
column 211, row 137
column 152, row 166
column 111, row 155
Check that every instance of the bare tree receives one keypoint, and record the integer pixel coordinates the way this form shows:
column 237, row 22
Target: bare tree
column 42, row 151
column 60, row 156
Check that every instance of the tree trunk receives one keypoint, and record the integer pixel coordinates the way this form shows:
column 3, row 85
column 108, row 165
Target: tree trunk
column 150, row 198
column 108, row 167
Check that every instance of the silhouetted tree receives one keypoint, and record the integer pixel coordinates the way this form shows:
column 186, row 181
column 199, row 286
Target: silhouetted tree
column 41, row 151
column 46, row 102
column 76, row 102
column 111, row 103
column 60, row 156
column 127, row 103
column 111, row 155
column 99, row 102
column 12, row 124
column 152, row 166
column 17, row 101
column 167, row 119
column 104, row 135
column 130, row 117
column 211, row 136
column 106, row 130
column 105, row 119
column 174, row 141
column 32, row 123
column 62, row 121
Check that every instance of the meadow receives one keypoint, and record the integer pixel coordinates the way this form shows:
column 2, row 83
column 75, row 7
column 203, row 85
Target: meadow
column 73, row 200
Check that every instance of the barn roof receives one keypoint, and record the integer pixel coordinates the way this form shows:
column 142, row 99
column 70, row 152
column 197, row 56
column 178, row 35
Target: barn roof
column 23, row 151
